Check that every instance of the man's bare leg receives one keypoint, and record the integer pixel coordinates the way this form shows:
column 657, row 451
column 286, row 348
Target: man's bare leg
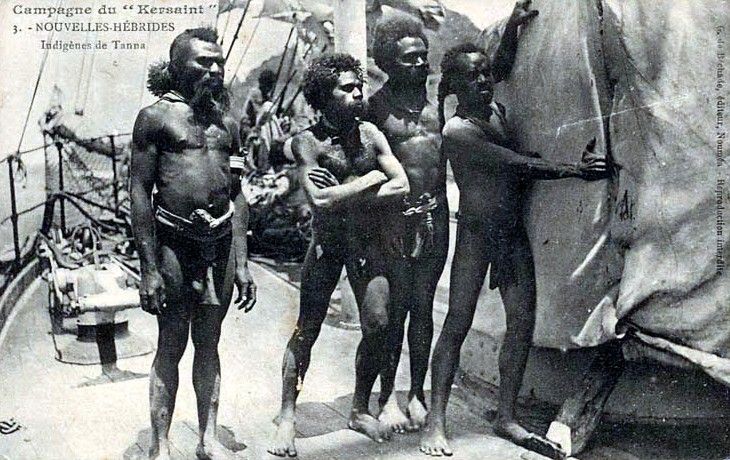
column 206, row 331
column 391, row 414
column 519, row 299
column 373, row 296
column 467, row 277
column 414, row 288
column 164, row 378
column 420, row 334
column 420, row 328
column 173, row 325
column 320, row 274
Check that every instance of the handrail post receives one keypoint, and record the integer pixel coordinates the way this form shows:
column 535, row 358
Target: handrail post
column 14, row 211
column 61, row 187
column 115, row 185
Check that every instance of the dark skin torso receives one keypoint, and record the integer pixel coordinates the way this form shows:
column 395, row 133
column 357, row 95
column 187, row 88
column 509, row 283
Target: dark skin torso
column 347, row 157
column 193, row 165
column 488, row 192
column 344, row 156
column 415, row 137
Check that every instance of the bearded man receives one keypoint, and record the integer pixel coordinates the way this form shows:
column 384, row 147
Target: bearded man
column 189, row 219
column 351, row 179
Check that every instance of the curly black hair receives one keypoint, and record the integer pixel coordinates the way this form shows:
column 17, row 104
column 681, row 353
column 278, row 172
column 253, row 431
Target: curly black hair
column 388, row 32
column 451, row 68
column 320, row 78
column 267, row 80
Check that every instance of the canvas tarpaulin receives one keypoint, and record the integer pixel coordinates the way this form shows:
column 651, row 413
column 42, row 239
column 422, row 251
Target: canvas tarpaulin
column 641, row 251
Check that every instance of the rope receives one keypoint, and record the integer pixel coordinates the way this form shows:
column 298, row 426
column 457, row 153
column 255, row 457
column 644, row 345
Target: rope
column 51, row 144
column 69, row 196
column 248, row 45
column 32, row 99
column 238, row 29
column 225, row 26
column 88, row 81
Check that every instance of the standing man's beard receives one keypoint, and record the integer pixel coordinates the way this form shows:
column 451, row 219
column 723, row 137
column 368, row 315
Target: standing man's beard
column 210, row 98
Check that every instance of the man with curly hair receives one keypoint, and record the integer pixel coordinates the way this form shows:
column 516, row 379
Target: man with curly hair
column 493, row 177
column 191, row 232
column 351, row 178
column 409, row 120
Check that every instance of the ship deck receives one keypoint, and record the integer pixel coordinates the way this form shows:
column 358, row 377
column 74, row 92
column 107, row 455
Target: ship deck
column 73, row 412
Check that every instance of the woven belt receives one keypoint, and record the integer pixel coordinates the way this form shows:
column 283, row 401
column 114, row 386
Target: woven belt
column 200, row 225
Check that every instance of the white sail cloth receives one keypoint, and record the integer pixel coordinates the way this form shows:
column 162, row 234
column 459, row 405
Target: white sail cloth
column 644, row 250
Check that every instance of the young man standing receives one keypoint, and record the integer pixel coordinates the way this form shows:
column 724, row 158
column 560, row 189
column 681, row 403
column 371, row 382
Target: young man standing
column 351, row 178
column 409, row 121
column 492, row 177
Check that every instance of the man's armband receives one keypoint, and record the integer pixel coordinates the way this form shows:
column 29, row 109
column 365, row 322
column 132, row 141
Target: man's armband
column 237, row 163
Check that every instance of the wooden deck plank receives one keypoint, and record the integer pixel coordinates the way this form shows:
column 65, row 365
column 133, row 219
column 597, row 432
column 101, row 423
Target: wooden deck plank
column 65, row 419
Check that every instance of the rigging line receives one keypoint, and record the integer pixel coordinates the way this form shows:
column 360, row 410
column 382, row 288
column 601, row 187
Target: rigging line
column 77, row 94
column 80, row 79
column 144, row 71
column 225, row 26
column 75, row 195
column 88, row 80
column 37, row 83
column 50, row 144
column 80, row 106
column 23, row 152
column 292, row 71
column 283, row 55
column 299, row 89
column 248, row 45
column 238, row 29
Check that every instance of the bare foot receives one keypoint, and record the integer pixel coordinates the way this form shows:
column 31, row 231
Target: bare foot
column 283, row 442
column 392, row 417
column 160, row 451
column 512, row 431
column 369, row 426
column 212, row 449
column 417, row 413
column 434, row 443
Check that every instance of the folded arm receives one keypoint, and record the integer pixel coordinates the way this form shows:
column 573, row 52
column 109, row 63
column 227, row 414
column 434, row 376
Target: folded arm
column 397, row 186
column 334, row 197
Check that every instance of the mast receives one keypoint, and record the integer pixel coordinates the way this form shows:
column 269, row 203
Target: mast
column 351, row 29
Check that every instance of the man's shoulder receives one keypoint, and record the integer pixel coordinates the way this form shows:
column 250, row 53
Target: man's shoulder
column 377, row 107
column 369, row 128
column 162, row 108
column 454, row 126
column 301, row 141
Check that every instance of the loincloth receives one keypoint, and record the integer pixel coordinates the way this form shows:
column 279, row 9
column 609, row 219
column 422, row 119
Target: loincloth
column 421, row 222
column 498, row 240
column 196, row 256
